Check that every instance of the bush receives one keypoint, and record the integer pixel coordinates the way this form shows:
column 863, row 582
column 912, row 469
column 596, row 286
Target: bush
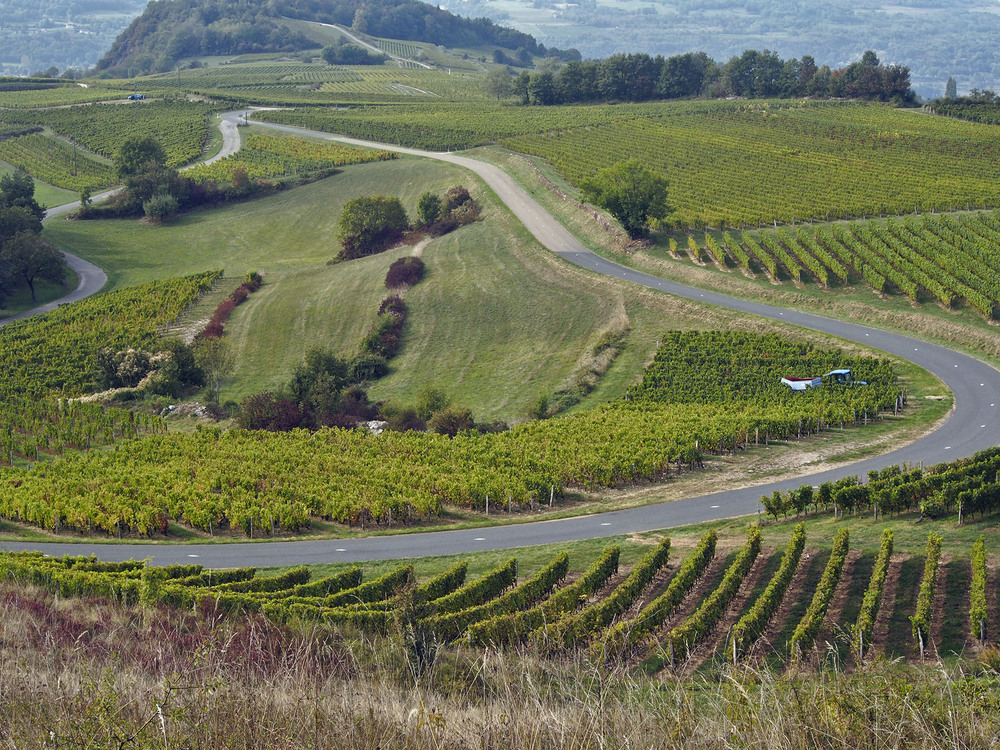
column 452, row 421
column 369, row 224
column 455, row 197
column 406, row 420
column 266, row 411
column 428, row 209
column 404, row 272
column 367, row 367
column 161, row 206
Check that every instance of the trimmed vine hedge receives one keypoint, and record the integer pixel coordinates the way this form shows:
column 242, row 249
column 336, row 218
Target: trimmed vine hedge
column 921, row 618
column 514, row 628
column 861, row 633
column 623, row 635
column 450, row 626
column 808, row 628
column 751, row 626
column 580, row 627
column 977, row 605
column 686, row 636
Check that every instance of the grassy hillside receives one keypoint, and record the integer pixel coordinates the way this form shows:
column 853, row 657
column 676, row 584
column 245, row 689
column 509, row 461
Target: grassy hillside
column 496, row 323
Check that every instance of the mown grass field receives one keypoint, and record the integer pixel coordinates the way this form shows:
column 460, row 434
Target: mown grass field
column 46, row 195
column 496, row 323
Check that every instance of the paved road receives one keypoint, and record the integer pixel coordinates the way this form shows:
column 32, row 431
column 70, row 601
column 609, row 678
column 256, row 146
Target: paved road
column 92, row 278
column 973, row 425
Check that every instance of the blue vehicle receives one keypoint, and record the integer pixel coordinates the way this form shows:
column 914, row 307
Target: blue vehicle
column 136, row 97
column 837, row 377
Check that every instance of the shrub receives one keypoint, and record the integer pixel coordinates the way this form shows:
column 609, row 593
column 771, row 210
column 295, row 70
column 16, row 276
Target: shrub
column 404, row 272
column 452, row 421
column 266, row 411
column 428, row 209
column 161, row 206
column 369, row 224
column 406, row 420
column 455, row 197
column 367, row 367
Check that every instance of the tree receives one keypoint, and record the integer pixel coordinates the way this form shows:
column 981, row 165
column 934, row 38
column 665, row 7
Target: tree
column 542, row 88
column 350, row 54
column 499, row 83
column 430, row 401
column 136, row 153
column 15, row 219
column 951, row 88
column 683, row 75
column 160, row 207
column 521, row 86
column 428, row 209
column 17, row 190
column 369, row 223
column 28, row 258
column 214, row 359
column 631, row 193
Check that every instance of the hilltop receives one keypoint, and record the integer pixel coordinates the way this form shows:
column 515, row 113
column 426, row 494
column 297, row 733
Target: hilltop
column 171, row 30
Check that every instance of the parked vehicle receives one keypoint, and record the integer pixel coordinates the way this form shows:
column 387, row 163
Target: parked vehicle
column 837, row 377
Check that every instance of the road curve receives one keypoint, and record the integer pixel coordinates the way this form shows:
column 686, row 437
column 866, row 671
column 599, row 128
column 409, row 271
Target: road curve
column 972, row 425
column 92, row 278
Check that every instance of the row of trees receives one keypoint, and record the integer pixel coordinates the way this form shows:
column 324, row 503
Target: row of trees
column 25, row 257
column 639, row 77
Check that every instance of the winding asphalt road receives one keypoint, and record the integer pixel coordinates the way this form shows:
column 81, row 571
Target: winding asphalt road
column 972, row 425
column 91, row 278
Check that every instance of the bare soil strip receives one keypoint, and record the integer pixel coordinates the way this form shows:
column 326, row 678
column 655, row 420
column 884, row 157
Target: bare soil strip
column 969, row 643
column 702, row 588
column 653, row 589
column 717, row 638
column 830, row 633
column 880, row 633
column 794, row 593
column 605, row 591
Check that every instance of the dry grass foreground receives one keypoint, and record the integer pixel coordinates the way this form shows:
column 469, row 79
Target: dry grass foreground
column 93, row 674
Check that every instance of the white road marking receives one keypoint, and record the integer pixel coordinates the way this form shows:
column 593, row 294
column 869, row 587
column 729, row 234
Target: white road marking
column 605, row 524
column 713, row 506
column 192, row 555
column 341, row 549
column 479, row 539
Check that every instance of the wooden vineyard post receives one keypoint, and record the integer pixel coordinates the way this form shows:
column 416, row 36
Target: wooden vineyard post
column 552, row 494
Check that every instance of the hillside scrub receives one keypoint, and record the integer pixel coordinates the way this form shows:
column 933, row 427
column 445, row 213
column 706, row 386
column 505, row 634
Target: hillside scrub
column 94, row 673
